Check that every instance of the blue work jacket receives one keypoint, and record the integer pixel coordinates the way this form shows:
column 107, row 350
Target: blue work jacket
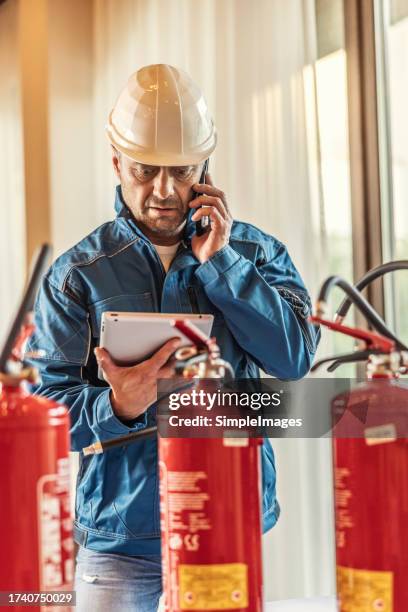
column 260, row 307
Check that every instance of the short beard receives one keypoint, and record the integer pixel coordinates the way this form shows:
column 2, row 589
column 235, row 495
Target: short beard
column 165, row 232
column 161, row 227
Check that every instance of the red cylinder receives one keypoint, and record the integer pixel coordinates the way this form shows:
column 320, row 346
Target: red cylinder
column 211, row 523
column 36, row 550
column 371, row 495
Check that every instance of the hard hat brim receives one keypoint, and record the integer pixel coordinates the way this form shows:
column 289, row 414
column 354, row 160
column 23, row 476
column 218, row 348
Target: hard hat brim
column 161, row 158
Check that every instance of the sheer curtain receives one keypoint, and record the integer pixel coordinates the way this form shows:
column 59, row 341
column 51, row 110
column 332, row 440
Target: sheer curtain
column 12, row 242
column 250, row 59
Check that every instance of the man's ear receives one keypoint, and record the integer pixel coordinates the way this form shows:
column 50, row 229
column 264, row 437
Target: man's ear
column 116, row 161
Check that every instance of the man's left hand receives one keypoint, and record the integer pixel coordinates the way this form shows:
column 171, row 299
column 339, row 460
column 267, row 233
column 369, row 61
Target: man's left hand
column 214, row 205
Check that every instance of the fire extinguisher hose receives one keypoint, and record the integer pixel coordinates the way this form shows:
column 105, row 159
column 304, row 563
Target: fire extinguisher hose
column 98, row 448
column 358, row 300
column 27, row 302
column 369, row 277
column 338, row 360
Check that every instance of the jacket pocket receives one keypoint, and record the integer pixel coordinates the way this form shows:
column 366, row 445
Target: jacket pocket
column 135, row 302
column 120, row 497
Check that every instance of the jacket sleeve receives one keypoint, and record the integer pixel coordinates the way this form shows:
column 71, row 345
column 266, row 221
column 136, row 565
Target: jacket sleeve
column 63, row 339
column 266, row 307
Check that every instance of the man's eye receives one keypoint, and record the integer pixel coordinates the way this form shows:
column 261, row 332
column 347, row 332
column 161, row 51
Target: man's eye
column 183, row 172
column 145, row 172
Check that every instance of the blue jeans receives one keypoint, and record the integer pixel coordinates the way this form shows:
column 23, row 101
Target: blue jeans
column 109, row 582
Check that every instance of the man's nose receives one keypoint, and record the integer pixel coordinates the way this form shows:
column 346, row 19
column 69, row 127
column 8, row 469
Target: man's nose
column 163, row 184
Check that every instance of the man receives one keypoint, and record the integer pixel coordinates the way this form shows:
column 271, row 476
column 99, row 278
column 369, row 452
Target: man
column 151, row 259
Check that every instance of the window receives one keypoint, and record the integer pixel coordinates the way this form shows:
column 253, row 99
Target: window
column 392, row 78
column 327, row 111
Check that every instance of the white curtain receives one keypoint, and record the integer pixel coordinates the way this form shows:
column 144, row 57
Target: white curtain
column 12, row 241
column 251, row 61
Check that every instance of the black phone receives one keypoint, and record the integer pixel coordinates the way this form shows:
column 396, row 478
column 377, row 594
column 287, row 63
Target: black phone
column 203, row 224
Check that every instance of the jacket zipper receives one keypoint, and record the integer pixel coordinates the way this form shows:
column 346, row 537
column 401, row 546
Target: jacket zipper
column 163, row 271
column 193, row 300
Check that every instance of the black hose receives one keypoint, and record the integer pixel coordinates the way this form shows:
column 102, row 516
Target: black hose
column 346, row 358
column 359, row 356
column 27, row 302
column 369, row 277
column 365, row 307
column 135, row 436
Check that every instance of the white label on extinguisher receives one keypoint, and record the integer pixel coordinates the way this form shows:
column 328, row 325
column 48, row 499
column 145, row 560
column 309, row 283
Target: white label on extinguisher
column 49, row 517
column 184, row 515
column 380, row 434
column 343, row 495
column 54, row 528
column 229, row 441
column 187, row 498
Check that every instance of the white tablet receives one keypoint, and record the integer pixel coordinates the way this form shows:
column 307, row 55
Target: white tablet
column 131, row 337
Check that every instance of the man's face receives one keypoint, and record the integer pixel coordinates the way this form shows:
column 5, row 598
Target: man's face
column 158, row 196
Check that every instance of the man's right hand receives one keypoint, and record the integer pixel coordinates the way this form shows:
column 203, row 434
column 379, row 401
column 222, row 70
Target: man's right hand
column 134, row 389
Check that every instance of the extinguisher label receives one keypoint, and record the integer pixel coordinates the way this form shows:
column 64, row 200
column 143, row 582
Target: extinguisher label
column 55, row 528
column 229, row 441
column 380, row 434
column 221, row 586
column 362, row 590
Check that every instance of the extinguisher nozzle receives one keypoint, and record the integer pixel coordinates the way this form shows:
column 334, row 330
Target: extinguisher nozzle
column 93, row 449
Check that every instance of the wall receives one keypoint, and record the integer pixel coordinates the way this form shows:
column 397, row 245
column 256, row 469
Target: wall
column 12, row 222
column 70, row 56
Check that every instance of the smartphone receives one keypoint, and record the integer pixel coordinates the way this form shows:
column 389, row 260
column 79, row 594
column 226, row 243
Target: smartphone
column 203, row 224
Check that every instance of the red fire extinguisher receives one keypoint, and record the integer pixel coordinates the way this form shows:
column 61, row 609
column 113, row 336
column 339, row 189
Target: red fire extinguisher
column 210, row 508
column 36, row 551
column 210, row 504
column 370, row 460
column 211, row 535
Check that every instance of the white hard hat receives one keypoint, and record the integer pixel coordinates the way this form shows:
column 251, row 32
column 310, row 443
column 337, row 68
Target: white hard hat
column 161, row 118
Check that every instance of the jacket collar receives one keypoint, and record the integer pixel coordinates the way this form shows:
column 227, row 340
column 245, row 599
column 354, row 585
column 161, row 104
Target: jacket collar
column 122, row 210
